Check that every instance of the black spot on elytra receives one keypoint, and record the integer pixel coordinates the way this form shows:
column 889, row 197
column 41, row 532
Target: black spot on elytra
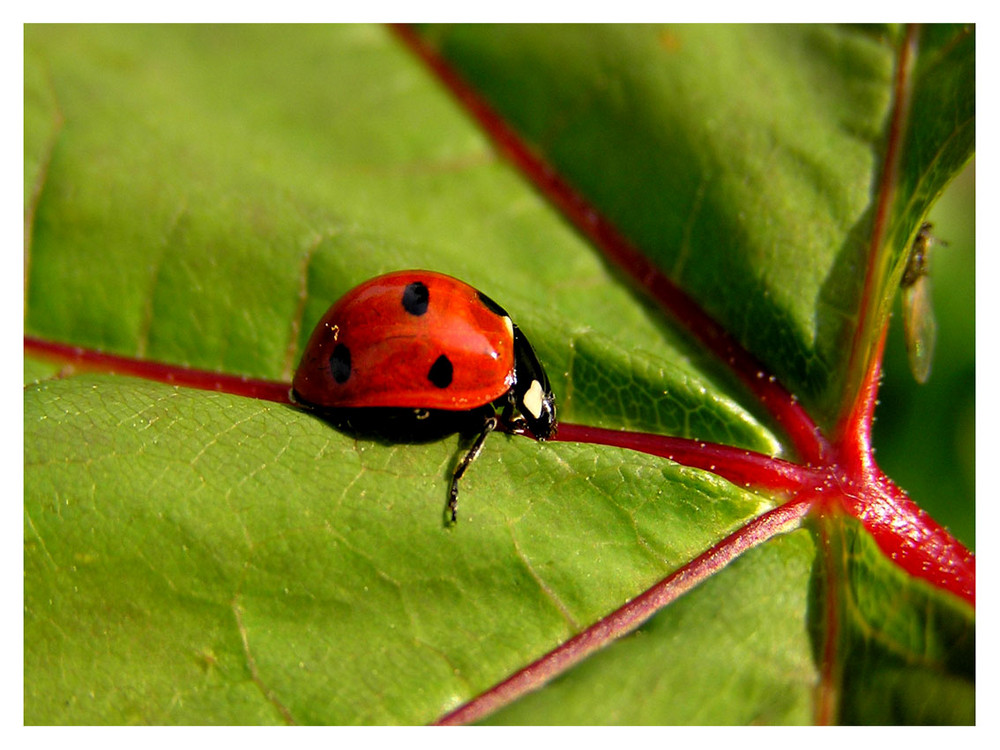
column 415, row 298
column 492, row 306
column 441, row 372
column 340, row 363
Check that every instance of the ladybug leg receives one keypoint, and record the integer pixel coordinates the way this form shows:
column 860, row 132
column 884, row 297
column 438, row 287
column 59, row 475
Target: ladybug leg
column 488, row 426
column 509, row 417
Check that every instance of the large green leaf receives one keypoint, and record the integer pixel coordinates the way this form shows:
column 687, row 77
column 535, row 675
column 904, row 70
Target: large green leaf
column 164, row 526
column 199, row 195
column 678, row 668
column 743, row 160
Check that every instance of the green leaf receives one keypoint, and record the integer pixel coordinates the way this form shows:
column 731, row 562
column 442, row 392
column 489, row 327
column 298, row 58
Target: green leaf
column 909, row 651
column 678, row 668
column 199, row 196
column 743, row 160
column 223, row 555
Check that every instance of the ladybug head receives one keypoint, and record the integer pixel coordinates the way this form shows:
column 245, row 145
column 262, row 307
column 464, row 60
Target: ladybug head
column 532, row 393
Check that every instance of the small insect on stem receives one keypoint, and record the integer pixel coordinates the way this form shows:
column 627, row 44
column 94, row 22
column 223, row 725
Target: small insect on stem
column 919, row 325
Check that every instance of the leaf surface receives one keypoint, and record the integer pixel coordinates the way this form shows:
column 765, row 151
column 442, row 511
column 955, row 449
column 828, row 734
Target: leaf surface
column 199, row 195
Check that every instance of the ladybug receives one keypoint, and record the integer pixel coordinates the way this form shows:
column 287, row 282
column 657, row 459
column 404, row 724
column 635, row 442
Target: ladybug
column 413, row 356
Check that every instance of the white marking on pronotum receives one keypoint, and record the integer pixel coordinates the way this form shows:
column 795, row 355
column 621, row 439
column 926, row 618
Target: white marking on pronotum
column 532, row 400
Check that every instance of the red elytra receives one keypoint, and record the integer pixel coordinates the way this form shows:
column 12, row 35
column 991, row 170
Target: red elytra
column 386, row 350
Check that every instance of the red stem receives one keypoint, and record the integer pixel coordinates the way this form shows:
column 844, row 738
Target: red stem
column 803, row 433
column 631, row 615
column 902, row 530
column 737, row 465
column 869, row 312
column 838, row 478
column 835, row 479
column 79, row 359
column 827, row 690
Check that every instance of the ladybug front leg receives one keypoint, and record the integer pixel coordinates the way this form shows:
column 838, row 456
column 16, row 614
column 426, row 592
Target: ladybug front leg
column 509, row 417
column 488, row 426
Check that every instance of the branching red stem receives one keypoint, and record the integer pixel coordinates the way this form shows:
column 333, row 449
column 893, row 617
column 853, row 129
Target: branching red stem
column 803, row 433
column 837, row 478
column 904, row 532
